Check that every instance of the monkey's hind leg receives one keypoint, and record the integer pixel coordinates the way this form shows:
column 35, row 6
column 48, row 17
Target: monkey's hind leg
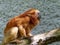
column 10, row 35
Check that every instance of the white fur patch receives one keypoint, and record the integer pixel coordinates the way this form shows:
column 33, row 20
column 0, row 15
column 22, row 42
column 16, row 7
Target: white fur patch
column 14, row 30
column 37, row 11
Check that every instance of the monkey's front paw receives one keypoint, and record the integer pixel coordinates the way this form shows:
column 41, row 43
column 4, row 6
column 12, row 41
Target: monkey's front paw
column 29, row 35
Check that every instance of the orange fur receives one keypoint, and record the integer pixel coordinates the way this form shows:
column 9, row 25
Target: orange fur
column 22, row 25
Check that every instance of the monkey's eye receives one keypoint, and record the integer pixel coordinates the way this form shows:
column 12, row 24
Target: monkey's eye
column 38, row 13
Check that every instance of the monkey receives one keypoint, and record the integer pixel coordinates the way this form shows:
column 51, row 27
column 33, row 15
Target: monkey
column 21, row 25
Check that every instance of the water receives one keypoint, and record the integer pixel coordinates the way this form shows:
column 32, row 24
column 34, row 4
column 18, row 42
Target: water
column 50, row 13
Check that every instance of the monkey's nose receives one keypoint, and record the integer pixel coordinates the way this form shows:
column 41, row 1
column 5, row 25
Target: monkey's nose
column 39, row 17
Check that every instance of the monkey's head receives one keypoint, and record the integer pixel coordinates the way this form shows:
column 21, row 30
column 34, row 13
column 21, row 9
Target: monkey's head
column 34, row 15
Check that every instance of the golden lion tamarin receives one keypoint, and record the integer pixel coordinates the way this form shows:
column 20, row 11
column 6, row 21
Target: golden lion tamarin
column 21, row 25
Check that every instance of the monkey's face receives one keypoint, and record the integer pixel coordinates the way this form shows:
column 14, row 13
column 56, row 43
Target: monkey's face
column 37, row 14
